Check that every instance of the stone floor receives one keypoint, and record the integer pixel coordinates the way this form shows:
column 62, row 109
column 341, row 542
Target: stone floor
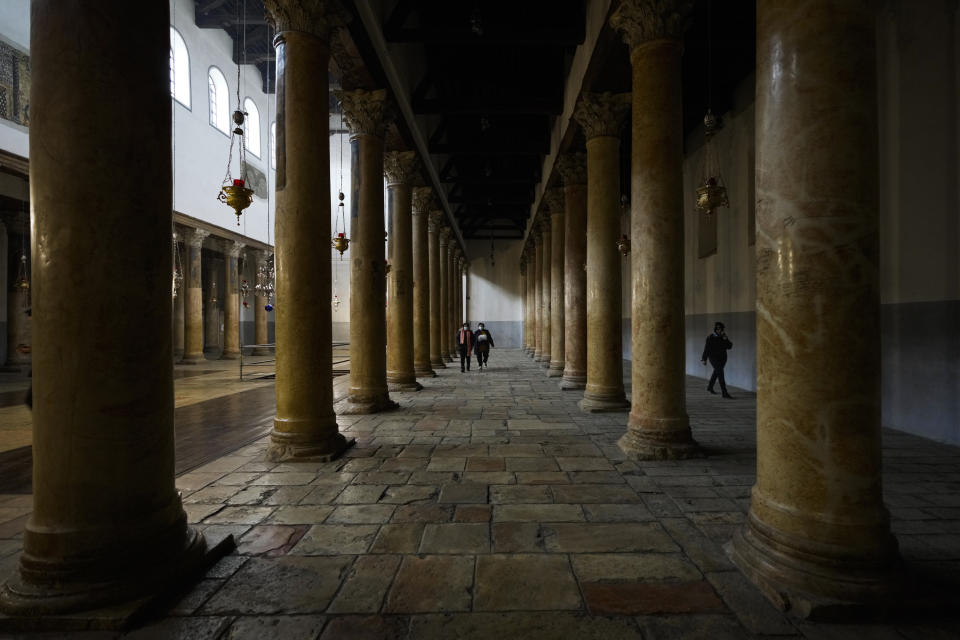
column 489, row 506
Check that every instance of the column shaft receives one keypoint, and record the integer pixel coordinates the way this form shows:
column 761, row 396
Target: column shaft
column 556, row 293
column 538, row 299
column 436, row 316
column 545, row 295
column 211, row 311
column 575, row 277
column 260, row 333
column 444, row 310
column 817, row 531
column 421, row 283
column 107, row 523
column 231, row 304
column 193, row 300
column 178, row 316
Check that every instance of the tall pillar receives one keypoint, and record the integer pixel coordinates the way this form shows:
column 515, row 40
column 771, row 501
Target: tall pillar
column 193, row 301
column 211, row 316
column 422, row 199
column 658, row 426
column 400, row 167
column 546, row 305
column 178, row 318
column 305, row 427
column 554, row 198
column 436, row 316
column 573, row 170
column 444, row 311
column 107, row 524
column 231, row 303
column 524, row 325
column 818, row 533
column 260, row 334
column 364, row 115
column 600, row 116
column 538, row 293
column 529, row 331
column 454, row 320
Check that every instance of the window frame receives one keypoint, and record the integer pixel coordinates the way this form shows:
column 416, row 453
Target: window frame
column 256, row 154
column 210, row 104
column 188, row 105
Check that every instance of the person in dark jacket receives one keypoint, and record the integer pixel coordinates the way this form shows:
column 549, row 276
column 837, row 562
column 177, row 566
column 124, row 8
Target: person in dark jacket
column 465, row 346
column 483, row 340
column 715, row 350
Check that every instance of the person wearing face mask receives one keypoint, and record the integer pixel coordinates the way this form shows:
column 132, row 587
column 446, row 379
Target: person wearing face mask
column 484, row 341
column 715, row 351
column 465, row 345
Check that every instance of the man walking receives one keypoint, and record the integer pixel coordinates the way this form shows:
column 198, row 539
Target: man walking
column 465, row 345
column 483, row 340
column 715, row 350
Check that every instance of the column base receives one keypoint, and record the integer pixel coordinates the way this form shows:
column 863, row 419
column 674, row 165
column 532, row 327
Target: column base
column 352, row 405
column 230, row 355
column 106, row 603
column 545, row 363
column 603, row 404
column 261, row 351
column 638, row 445
column 404, row 386
column 297, row 447
column 192, row 358
column 437, row 363
column 573, row 381
column 821, row 584
column 424, row 372
column 556, row 369
column 447, row 357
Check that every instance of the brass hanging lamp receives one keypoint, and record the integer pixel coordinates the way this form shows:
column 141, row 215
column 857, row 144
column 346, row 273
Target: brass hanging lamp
column 234, row 192
column 712, row 192
column 340, row 240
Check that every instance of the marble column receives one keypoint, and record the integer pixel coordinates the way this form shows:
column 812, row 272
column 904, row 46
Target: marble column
column 260, row 333
column 421, row 205
column 178, row 318
column 211, row 315
column 531, row 312
column 658, row 426
column 554, row 198
column 193, row 300
column 444, row 311
column 231, row 303
column 525, row 325
column 818, row 534
column 436, row 316
column 600, row 116
column 364, row 115
column 546, row 306
column 107, row 525
column 453, row 321
column 573, row 171
column 305, row 427
column 400, row 168
column 538, row 293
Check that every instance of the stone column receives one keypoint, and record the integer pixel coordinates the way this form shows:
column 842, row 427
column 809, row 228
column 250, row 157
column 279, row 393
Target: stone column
column 364, row 115
column 211, row 316
column 818, row 534
column 422, row 200
column 107, row 525
column 573, row 170
column 193, row 300
column 444, row 311
column 178, row 318
column 400, row 167
column 231, row 302
column 260, row 334
column 545, row 293
column 538, row 293
column 305, row 427
column 600, row 116
column 554, row 199
column 436, row 325
column 453, row 321
column 658, row 426
column 523, row 299
column 531, row 312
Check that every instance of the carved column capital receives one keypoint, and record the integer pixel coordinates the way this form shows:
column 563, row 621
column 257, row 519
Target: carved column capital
column 316, row 17
column 433, row 224
column 234, row 249
column 445, row 234
column 573, row 168
column 640, row 21
column 196, row 238
column 543, row 225
column 600, row 114
column 365, row 113
column 553, row 201
column 400, row 167
column 422, row 199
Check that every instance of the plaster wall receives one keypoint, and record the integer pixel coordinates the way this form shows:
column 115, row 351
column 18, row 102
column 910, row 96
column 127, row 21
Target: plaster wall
column 494, row 291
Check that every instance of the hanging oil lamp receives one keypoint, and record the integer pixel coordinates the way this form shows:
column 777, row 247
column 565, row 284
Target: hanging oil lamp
column 623, row 244
column 340, row 241
column 233, row 191
column 712, row 192
column 265, row 278
column 22, row 282
column 244, row 292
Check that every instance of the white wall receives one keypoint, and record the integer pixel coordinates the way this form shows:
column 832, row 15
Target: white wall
column 494, row 292
column 15, row 30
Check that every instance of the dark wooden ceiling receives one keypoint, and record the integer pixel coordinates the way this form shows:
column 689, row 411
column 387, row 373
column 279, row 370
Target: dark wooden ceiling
column 245, row 22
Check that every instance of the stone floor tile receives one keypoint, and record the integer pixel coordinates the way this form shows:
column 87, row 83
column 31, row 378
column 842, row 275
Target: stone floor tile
column 541, row 477
column 226, row 567
column 409, row 493
column 446, row 464
column 263, row 586
column 338, row 479
column 691, row 627
column 423, row 513
column 596, row 477
column 278, row 627
column 193, row 628
column 571, row 450
column 361, row 464
column 641, row 567
column 705, row 553
column 641, row 598
column 361, row 514
column 398, row 538
column 467, row 492
column 270, row 540
column 555, row 625
column 319, row 495
column 752, row 609
column 617, row 512
column 516, row 537
column 456, row 538
column 366, row 628
column 287, row 495
column 404, row 464
column 472, row 513
column 335, row 539
column 212, row 495
column 199, row 593
column 525, row 582
column 485, row 464
column 516, row 450
column 489, row 477
column 595, row 493
column 240, row 515
column 606, row 538
column 300, row 514
column 252, row 495
column 293, row 478
column 197, row 512
column 366, row 585
column 361, row 494
column 822, row 631
column 194, row 481
column 531, row 464
column 584, row 464
column 432, row 584
column 434, row 478
column 381, row 477
column 538, row 513
column 519, row 494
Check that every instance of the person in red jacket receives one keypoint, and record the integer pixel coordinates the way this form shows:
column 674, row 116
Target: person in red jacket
column 465, row 345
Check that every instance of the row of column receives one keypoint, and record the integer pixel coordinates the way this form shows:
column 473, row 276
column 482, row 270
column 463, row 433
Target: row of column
column 818, row 534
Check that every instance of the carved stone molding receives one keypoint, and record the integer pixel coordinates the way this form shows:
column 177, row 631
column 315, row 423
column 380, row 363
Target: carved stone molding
column 400, row 167
column 543, row 225
column 433, row 224
column 365, row 113
column 235, row 248
column 573, row 168
column 422, row 199
column 445, row 235
column 640, row 21
column 196, row 238
column 600, row 114
column 316, row 17
column 553, row 201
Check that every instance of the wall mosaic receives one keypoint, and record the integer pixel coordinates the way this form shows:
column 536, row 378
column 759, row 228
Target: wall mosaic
column 14, row 85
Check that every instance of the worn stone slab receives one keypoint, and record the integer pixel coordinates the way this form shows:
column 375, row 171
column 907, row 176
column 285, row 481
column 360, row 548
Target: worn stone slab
column 300, row 514
column 270, row 540
column 361, row 514
column 423, row 513
column 408, row 493
column 336, row 539
column 319, row 495
column 617, row 512
column 456, row 538
column 361, row 494
column 515, row 537
column 452, row 463
column 398, row 538
column 638, row 598
column 366, row 585
column 278, row 627
column 753, row 610
column 537, row 513
column 193, row 628
column 525, row 582
column 522, row 494
column 463, row 493
column 366, row 628
column 594, row 493
column 555, row 625
column 693, row 627
column 541, row 477
column 432, row 584
column 240, row 515
column 584, row 464
column 607, row 538
column 531, row 464
column 640, row 567
column 472, row 513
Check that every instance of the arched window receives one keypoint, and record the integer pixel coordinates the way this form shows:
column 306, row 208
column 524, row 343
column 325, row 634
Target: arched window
column 179, row 69
column 273, row 144
column 253, row 126
column 219, row 100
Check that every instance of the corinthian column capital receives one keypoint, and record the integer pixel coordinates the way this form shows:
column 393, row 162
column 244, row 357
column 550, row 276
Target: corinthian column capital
column 553, row 201
column 234, row 249
column 573, row 168
column 600, row 114
column 445, row 235
column 436, row 217
column 543, row 225
column 400, row 167
column 365, row 112
column 316, row 17
column 640, row 21
column 195, row 239
column 422, row 199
